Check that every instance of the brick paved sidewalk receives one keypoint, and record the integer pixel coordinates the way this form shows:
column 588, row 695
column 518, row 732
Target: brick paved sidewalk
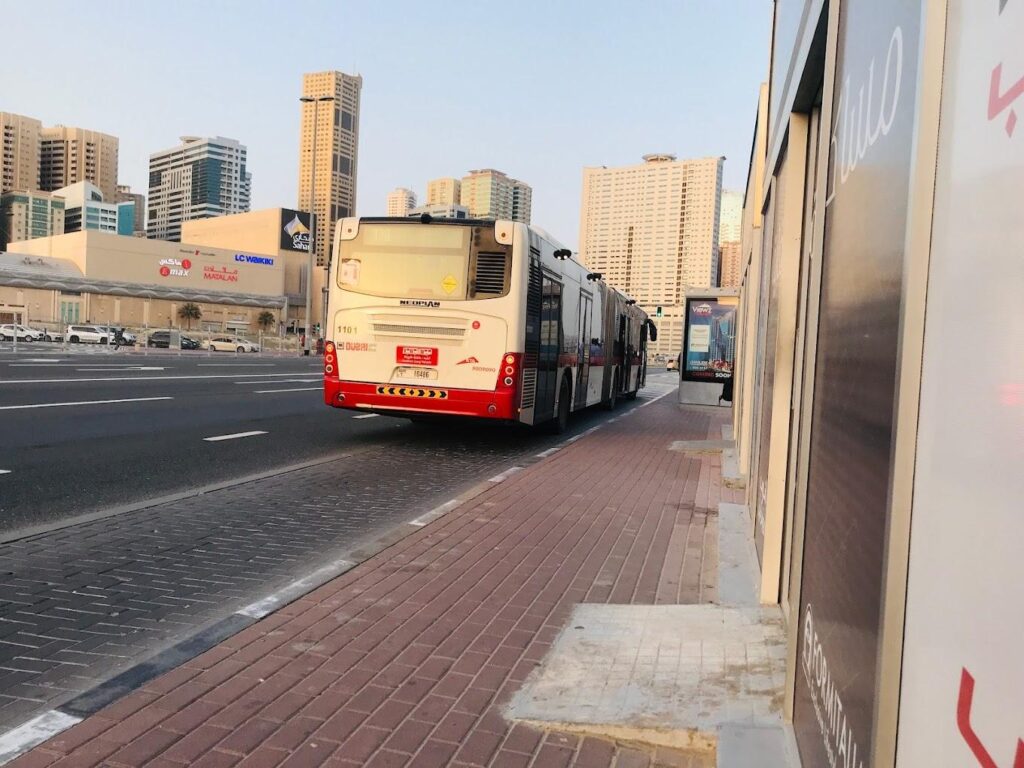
column 409, row 658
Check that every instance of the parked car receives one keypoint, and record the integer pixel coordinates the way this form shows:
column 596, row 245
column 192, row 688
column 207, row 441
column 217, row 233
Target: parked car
column 23, row 332
column 231, row 344
column 673, row 364
column 86, row 334
column 119, row 336
column 162, row 340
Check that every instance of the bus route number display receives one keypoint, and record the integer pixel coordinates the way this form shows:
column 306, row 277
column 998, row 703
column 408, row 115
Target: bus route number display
column 416, row 355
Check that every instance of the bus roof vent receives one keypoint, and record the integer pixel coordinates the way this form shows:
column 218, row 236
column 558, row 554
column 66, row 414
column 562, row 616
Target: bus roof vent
column 491, row 274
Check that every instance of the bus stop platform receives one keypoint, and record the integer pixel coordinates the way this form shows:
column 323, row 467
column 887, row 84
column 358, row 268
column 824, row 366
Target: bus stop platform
column 567, row 615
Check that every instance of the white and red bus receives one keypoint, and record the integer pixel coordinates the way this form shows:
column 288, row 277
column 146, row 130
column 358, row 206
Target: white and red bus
column 473, row 318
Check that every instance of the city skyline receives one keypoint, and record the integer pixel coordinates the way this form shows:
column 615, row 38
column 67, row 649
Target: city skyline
column 564, row 120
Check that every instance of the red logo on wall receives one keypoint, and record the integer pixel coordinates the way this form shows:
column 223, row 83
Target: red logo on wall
column 416, row 355
column 165, row 271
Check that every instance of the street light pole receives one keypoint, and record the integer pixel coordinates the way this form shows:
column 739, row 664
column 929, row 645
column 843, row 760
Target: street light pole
column 312, row 219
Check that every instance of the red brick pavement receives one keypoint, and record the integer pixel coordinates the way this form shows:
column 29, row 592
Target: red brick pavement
column 408, row 659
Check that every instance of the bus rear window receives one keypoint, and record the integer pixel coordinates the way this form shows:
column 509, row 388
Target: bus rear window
column 424, row 261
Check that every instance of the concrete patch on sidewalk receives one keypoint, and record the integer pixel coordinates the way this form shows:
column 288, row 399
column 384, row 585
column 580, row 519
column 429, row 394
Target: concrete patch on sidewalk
column 671, row 675
column 700, row 446
column 738, row 574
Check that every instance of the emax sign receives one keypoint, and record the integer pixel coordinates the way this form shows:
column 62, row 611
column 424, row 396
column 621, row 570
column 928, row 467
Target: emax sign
column 247, row 259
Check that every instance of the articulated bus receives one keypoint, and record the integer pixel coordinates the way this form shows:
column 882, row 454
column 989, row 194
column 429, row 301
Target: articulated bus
column 473, row 318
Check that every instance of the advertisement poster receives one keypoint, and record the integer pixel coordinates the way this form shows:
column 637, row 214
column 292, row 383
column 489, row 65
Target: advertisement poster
column 962, row 692
column 710, row 338
column 296, row 231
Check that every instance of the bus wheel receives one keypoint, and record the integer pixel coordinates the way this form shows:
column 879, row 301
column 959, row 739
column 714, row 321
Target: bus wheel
column 561, row 422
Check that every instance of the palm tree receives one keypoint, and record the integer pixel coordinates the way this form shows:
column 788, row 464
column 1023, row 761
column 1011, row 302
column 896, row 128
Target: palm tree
column 265, row 319
column 189, row 312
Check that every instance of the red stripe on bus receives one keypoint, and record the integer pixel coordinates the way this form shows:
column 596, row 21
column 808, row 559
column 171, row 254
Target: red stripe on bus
column 459, row 402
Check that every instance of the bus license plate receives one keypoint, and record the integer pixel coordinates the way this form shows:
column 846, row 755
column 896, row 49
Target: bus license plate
column 416, row 373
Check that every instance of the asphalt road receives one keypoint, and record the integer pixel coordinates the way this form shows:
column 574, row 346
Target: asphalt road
column 97, row 429
column 64, row 451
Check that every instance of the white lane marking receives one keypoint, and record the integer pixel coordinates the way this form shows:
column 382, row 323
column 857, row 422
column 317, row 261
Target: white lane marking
column 35, row 365
column 125, row 370
column 268, row 604
column 235, row 436
column 148, row 378
column 548, row 452
column 656, row 399
column 258, row 383
column 366, row 416
column 504, row 475
column 297, row 389
column 5, row 471
column 35, row 731
column 103, row 366
column 435, row 513
column 83, row 402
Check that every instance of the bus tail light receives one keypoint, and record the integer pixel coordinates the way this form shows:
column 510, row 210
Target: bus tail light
column 508, row 372
column 330, row 358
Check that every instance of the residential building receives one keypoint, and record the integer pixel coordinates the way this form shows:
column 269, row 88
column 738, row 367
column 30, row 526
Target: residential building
column 199, row 178
column 651, row 230
column 401, row 201
column 68, row 155
column 730, row 225
column 19, row 163
column 124, row 194
column 441, row 211
column 729, row 261
column 85, row 208
column 336, row 152
column 444, row 191
column 28, row 214
column 491, row 194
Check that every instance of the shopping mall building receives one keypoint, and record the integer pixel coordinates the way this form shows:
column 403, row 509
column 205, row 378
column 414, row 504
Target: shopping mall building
column 879, row 388
column 233, row 267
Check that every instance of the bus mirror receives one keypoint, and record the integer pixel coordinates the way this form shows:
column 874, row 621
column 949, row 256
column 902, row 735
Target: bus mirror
column 654, row 330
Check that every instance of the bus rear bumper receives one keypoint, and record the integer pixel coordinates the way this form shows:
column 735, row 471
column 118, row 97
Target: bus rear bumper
column 410, row 400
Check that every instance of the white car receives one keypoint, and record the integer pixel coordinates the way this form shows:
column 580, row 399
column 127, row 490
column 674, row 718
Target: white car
column 231, row 344
column 24, row 333
column 126, row 337
column 87, row 334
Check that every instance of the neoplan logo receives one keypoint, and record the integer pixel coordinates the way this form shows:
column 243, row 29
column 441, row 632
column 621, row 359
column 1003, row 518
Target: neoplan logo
column 467, row 361
column 418, row 303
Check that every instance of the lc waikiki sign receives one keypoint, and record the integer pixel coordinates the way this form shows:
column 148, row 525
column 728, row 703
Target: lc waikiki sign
column 245, row 258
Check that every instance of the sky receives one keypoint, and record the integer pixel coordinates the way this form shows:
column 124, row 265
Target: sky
column 537, row 89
